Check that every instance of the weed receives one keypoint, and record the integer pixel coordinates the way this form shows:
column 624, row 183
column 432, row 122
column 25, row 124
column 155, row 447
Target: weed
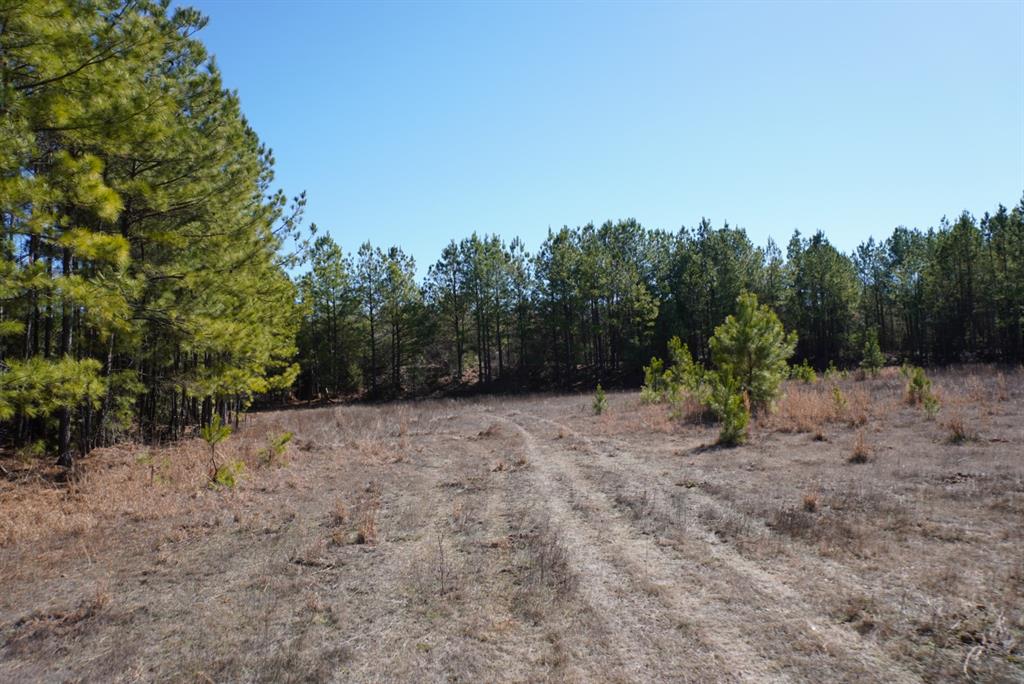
column 367, row 530
column 339, row 513
column 861, row 453
column 958, row 430
column 811, row 503
column 833, row 374
column 30, row 451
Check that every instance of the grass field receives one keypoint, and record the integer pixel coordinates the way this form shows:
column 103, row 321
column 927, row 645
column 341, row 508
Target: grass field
column 526, row 539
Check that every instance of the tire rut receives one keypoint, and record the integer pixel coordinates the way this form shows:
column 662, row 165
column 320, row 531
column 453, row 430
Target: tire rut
column 610, row 548
column 837, row 641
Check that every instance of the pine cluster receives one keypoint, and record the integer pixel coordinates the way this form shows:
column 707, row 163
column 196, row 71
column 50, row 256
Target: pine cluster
column 142, row 280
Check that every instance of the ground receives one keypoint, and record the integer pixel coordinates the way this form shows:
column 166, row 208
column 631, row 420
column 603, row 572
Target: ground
column 854, row 538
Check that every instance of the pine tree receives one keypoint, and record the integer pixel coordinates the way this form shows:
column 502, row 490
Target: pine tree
column 751, row 347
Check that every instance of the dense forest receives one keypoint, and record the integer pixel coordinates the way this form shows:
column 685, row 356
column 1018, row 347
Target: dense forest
column 595, row 303
column 152, row 278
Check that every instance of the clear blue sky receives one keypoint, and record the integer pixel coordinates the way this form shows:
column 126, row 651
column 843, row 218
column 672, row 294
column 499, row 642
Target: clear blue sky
column 416, row 123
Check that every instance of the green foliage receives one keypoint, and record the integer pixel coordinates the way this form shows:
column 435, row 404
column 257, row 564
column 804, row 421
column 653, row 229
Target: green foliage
column 30, row 451
column 731, row 406
column 685, row 372
column 752, row 347
column 655, row 387
column 140, row 232
column 215, row 433
column 919, row 385
column 276, row 447
column 919, row 390
column 39, row 387
column 600, row 400
column 839, row 403
column 229, row 474
column 803, row 372
column 685, row 376
column 833, row 374
column 872, row 358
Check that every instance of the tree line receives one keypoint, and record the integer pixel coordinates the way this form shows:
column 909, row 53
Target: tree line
column 143, row 282
column 595, row 303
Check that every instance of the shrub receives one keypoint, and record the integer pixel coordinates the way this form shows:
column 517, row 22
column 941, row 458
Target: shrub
column 919, row 390
column 229, row 474
column 872, row 359
column 685, row 372
column 731, row 406
column 654, row 387
column 839, row 403
column 661, row 384
column 276, row 447
column 600, row 400
column 833, row 374
column 213, row 434
column 752, row 347
column 803, row 373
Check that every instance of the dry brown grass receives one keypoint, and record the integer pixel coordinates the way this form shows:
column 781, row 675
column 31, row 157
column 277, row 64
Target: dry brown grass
column 133, row 481
column 959, row 430
column 774, row 560
column 802, row 408
column 861, row 452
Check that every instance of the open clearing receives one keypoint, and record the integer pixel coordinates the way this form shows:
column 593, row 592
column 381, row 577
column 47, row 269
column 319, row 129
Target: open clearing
column 525, row 539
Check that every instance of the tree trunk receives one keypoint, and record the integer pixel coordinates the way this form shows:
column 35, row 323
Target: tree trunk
column 65, row 458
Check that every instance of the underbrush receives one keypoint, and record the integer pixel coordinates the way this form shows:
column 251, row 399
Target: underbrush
column 139, row 482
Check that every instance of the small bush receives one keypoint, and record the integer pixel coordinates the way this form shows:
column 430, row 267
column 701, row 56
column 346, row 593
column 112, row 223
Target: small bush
column 600, row 400
column 811, row 503
column 839, row 403
column 803, row 373
column 919, row 390
column 276, row 447
column 229, row 474
column 872, row 358
column 213, row 434
column 732, row 407
column 655, row 386
column 833, row 374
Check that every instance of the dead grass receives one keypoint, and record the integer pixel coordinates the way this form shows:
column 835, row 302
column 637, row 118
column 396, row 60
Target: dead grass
column 861, row 452
column 128, row 481
column 606, row 548
column 959, row 431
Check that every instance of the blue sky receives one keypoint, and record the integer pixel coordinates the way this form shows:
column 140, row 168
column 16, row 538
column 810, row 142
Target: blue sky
column 416, row 123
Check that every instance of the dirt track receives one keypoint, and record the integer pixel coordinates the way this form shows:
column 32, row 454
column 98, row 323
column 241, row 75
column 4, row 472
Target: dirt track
column 528, row 540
